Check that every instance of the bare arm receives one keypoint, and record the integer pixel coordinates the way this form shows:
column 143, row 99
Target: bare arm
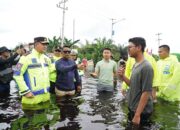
column 126, row 80
column 142, row 103
column 121, row 74
column 96, row 73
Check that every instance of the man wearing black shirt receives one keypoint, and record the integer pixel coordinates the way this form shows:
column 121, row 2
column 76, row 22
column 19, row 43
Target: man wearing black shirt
column 6, row 72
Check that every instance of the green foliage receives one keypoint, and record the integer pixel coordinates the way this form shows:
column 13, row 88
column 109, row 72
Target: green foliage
column 177, row 55
column 70, row 43
column 123, row 50
column 94, row 50
column 54, row 42
column 91, row 50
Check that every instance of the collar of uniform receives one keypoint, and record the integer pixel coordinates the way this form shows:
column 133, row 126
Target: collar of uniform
column 34, row 51
column 56, row 57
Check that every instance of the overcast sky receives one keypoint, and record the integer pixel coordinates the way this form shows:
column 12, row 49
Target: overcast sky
column 22, row 20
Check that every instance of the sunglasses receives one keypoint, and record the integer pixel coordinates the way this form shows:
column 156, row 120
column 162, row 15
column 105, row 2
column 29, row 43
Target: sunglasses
column 67, row 52
column 57, row 50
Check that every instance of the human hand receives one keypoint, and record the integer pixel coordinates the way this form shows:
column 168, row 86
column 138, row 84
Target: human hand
column 121, row 72
column 29, row 95
column 79, row 88
column 80, row 66
column 136, row 119
column 94, row 75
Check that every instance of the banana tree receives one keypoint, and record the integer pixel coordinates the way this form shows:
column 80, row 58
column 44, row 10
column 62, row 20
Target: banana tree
column 70, row 43
column 54, row 42
column 123, row 51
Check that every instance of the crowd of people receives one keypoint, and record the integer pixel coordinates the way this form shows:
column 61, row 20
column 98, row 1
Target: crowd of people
column 141, row 78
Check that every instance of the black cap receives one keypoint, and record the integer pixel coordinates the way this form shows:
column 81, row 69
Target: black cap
column 41, row 40
column 4, row 49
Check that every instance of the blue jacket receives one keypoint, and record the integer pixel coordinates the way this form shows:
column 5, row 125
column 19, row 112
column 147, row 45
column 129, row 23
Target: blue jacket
column 66, row 73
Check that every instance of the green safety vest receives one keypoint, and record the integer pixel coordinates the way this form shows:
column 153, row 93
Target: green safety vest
column 168, row 79
column 32, row 75
column 53, row 74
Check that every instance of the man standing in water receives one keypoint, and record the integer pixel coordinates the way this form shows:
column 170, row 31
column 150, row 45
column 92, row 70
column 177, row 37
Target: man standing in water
column 105, row 70
column 32, row 74
column 67, row 72
column 6, row 71
column 169, row 73
column 140, row 103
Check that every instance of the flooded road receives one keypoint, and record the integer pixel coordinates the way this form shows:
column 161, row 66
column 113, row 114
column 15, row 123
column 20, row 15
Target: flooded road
column 89, row 111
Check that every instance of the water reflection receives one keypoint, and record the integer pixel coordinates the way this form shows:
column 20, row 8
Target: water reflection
column 104, row 105
column 68, row 112
column 90, row 111
column 166, row 115
column 35, row 117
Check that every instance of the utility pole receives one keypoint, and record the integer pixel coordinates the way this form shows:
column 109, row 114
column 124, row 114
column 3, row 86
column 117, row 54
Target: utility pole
column 112, row 31
column 73, row 30
column 158, row 34
column 63, row 8
column 114, row 22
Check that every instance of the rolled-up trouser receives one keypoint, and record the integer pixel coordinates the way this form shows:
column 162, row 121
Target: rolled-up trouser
column 61, row 93
column 103, row 87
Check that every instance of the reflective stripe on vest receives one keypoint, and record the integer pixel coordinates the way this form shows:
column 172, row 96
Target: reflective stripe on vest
column 41, row 91
column 32, row 66
column 6, row 71
column 37, row 92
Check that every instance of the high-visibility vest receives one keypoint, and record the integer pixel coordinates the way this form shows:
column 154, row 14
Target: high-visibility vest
column 168, row 79
column 53, row 73
column 32, row 75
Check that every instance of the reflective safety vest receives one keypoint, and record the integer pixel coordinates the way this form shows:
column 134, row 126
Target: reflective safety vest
column 32, row 75
column 168, row 79
column 130, row 63
column 53, row 74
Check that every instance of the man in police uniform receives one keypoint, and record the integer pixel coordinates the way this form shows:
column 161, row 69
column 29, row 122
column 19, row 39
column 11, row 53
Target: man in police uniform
column 32, row 74
column 6, row 72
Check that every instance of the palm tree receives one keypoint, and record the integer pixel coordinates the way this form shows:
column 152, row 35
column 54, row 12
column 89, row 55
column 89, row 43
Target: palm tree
column 94, row 50
column 99, row 44
column 53, row 43
column 123, row 51
column 69, row 42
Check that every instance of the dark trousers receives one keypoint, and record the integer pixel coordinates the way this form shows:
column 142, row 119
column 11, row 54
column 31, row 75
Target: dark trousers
column 76, row 85
column 4, row 89
column 144, row 122
column 52, row 87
